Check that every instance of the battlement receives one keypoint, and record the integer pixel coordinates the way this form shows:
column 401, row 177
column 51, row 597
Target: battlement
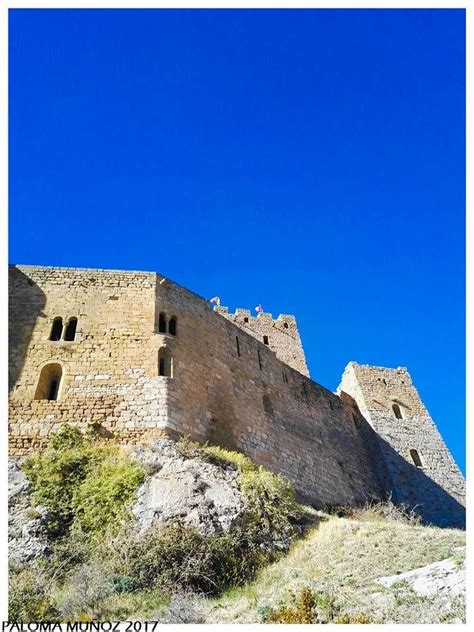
column 280, row 335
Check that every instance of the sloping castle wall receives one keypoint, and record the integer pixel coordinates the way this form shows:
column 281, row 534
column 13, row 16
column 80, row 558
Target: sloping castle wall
column 226, row 385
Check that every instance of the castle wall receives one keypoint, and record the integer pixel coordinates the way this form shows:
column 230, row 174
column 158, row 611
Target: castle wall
column 226, row 386
column 109, row 370
column 281, row 335
column 436, row 486
column 232, row 390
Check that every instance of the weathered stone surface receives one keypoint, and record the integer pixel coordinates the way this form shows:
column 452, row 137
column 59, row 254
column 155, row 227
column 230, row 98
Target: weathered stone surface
column 189, row 491
column 447, row 578
column 26, row 533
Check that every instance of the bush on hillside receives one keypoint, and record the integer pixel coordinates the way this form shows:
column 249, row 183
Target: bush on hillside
column 82, row 483
column 29, row 599
column 309, row 606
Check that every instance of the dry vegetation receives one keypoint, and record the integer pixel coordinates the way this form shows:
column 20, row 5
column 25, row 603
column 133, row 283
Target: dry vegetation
column 173, row 574
column 341, row 559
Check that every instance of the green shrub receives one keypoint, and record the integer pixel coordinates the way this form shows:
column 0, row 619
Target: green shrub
column 82, row 483
column 66, row 438
column 172, row 557
column 124, row 584
column 106, row 494
column 29, row 600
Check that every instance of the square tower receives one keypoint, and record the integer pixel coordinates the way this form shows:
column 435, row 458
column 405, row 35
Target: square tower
column 413, row 462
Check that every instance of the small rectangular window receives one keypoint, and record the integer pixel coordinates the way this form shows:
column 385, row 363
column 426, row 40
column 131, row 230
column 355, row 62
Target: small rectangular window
column 416, row 458
column 265, row 340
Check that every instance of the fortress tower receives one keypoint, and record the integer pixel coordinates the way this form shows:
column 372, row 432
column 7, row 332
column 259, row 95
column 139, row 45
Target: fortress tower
column 281, row 335
column 414, row 464
column 140, row 356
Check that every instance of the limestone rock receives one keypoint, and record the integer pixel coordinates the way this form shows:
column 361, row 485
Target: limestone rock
column 447, row 577
column 186, row 490
column 26, row 532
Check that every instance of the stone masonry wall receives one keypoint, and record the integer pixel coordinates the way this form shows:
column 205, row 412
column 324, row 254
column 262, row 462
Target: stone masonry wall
column 231, row 389
column 109, row 370
column 436, row 488
column 226, row 386
column 281, row 335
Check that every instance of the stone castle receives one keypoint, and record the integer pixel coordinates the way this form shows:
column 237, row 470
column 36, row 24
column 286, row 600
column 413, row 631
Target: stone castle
column 140, row 356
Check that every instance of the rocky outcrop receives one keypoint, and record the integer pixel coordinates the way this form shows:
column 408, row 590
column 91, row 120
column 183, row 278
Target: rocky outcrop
column 26, row 531
column 186, row 489
column 447, row 576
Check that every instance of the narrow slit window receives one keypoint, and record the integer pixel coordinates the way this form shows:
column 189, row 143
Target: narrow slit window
column 162, row 323
column 71, row 330
column 237, row 344
column 172, row 328
column 165, row 362
column 49, row 382
column 416, row 458
column 259, row 360
column 56, row 329
column 267, row 405
column 396, row 411
column 265, row 340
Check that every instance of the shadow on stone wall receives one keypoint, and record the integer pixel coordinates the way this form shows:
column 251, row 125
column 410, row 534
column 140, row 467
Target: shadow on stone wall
column 414, row 488
column 405, row 482
column 25, row 305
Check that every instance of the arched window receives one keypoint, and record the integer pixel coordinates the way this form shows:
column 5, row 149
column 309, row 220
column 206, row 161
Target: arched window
column 172, row 326
column 49, row 382
column 71, row 329
column 165, row 362
column 396, row 411
column 416, row 457
column 162, row 323
column 56, row 329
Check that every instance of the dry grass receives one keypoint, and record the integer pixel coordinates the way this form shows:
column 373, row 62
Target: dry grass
column 343, row 557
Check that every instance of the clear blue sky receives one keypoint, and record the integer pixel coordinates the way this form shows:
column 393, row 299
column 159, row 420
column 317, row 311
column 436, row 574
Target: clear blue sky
column 312, row 161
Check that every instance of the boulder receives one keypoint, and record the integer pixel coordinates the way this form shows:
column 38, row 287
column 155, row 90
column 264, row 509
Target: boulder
column 186, row 489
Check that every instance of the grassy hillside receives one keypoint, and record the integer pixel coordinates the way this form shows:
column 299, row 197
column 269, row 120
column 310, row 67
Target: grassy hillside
column 279, row 562
column 339, row 560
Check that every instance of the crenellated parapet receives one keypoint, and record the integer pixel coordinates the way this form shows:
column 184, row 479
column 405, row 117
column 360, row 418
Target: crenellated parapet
column 280, row 334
